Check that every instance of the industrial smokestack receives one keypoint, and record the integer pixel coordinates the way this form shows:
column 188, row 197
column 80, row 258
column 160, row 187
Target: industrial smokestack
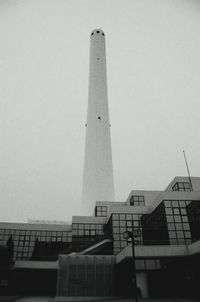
column 98, row 184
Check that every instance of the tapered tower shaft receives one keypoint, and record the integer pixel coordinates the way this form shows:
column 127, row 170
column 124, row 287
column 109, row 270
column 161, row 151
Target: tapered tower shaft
column 98, row 181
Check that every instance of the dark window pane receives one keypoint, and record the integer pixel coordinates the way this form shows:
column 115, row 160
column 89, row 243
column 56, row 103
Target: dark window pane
column 176, row 211
column 172, row 234
column 175, row 203
column 182, row 203
column 115, row 223
column 171, row 226
column 167, row 203
column 150, row 264
column 180, row 234
column 140, row 265
column 186, row 226
column 187, row 234
column 184, row 219
column 168, row 211
column 179, row 226
column 177, row 218
column 170, row 218
column 183, row 211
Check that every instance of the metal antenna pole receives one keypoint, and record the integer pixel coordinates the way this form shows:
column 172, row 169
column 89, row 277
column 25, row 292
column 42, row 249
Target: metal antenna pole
column 188, row 171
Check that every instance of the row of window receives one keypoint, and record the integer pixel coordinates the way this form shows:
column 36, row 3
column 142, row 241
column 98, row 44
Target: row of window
column 33, row 238
column 87, row 232
column 176, row 211
column 179, row 234
column 30, row 240
column 179, row 241
column 24, row 240
column 176, row 218
column 182, row 186
column 127, row 216
column 87, row 226
column 126, row 223
column 87, row 229
column 147, row 264
column 176, row 203
column 22, row 255
column 178, row 226
column 33, row 232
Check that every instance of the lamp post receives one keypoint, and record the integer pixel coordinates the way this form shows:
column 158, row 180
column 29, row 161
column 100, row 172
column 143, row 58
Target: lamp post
column 129, row 235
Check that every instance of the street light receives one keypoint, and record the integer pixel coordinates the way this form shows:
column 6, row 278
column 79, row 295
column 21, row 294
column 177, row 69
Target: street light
column 129, row 235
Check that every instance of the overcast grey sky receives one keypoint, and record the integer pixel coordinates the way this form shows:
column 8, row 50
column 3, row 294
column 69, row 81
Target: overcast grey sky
column 153, row 66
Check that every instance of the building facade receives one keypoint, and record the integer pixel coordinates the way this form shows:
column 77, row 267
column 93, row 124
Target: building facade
column 167, row 247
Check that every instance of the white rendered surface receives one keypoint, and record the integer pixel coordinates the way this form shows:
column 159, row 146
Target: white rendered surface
column 98, row 181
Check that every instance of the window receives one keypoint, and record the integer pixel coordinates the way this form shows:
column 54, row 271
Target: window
column 115, row 223
column 182, row 203
column 171, row 226
column 177, row 218
column 101, row 211
column 182, row 186
column 137, row 200
column 176, row 211
column 177, row 221
column 172, row 234
column 179, row 226
column 180, row 234
column 186, row 226
column 170, row 219
column 129, row 217
column 115, row 216
column 150, row 264
column 167, row 203
column 168, row 211
column 184, row 219
column 122, row 223
column 183, row 211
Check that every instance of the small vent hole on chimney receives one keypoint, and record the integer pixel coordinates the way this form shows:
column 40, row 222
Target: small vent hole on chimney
column 102, row 34
column 92, row 34
column 99, row 118
column 97, row 31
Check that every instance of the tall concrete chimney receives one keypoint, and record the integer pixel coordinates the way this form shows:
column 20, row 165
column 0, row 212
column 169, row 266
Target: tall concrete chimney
column 98, row 184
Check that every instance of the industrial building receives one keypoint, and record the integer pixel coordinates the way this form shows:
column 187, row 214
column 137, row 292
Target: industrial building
column 91, row 256
column 64, row 260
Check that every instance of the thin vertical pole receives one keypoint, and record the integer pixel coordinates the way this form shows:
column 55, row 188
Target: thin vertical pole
column 134, row 269
column 188, row 171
